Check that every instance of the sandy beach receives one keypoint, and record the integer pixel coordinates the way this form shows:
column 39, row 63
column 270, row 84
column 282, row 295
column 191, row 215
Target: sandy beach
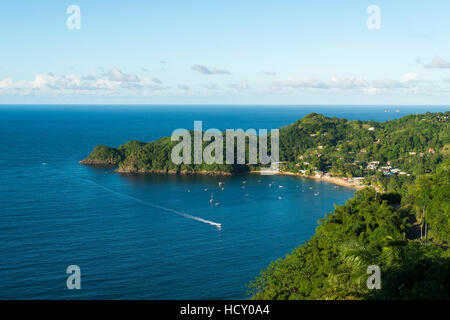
column 334, row 180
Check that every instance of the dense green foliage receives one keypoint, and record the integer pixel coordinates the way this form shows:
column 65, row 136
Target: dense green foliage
column 415, row 144
column 105, row 155
column 370, row 229
column 156, row 157
column 132, row 146
column 429, row 199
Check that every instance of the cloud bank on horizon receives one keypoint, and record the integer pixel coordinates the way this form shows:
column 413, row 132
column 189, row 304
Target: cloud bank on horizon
column 287, row 51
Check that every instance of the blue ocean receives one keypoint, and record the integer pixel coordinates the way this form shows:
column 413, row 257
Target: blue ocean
column 144, row 237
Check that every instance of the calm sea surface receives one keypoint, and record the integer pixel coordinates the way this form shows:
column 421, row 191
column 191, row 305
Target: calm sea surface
column 138, row 237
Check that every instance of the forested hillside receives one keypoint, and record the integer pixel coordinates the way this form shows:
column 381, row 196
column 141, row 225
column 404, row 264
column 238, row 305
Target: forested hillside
column 386, row 154
column 372, row 229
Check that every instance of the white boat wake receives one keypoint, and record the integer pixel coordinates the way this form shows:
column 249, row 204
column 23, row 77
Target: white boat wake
column 186, row 215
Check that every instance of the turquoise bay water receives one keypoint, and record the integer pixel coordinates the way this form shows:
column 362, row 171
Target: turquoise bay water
column 134, row 236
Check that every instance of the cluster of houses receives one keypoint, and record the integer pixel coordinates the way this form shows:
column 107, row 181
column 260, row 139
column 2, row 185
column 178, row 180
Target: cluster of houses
column 372, row 165
column 387, row 170
column 421, row 154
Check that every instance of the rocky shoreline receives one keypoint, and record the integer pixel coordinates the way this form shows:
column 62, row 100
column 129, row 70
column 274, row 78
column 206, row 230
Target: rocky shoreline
column 97, row 162
column 181, row 172
column 133, row 170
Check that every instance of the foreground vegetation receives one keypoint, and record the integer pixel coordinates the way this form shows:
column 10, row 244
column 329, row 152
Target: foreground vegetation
column 372, row 229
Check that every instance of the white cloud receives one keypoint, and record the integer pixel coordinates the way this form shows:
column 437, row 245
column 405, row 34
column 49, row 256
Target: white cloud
column 41, row 80
column 372, row 91
column 72, row 83
column 117, row 82
column 7, row 84
column 388, row 84
column 408, row 81
column 117, row 75
column 411, row 76
column 183, row 87
column 89, row 77
column 270, row 73
column 333, row 83
column 106, row 84
column 438, row 63
column 239, row 86
column 209, row 71
column 213, row 86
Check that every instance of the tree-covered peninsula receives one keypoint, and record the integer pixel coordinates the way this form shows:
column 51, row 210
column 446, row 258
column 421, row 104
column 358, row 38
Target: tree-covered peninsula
column 154, row 157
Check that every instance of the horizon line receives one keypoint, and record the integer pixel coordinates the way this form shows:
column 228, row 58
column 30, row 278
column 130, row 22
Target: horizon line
column 225, row 105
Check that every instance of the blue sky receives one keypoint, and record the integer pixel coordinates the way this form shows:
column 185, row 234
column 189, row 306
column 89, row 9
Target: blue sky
column 225, row 52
